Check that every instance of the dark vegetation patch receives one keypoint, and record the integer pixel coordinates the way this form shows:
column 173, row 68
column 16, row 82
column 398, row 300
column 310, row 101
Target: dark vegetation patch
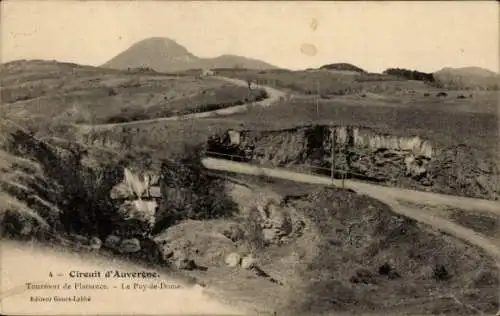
column 342, row 66
column 410, row 74
column 189, row 192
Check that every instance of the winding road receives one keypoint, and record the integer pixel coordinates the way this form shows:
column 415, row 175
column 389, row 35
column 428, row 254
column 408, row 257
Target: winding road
column 274, row 96
column 389, row 195
column 30, row 265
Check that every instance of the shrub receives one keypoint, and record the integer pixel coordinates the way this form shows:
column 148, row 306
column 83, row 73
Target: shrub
column 112, row 92
column 440, row 273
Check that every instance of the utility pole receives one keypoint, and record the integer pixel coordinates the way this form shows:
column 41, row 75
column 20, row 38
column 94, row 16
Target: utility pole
column 334, row 139
column 317, row 98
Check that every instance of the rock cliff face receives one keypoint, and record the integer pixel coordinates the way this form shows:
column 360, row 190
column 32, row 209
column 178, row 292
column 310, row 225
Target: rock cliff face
column 364, row 153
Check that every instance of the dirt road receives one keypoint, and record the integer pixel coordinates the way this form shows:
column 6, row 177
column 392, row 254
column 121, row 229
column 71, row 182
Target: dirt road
column 274, row 95
column 387, row 195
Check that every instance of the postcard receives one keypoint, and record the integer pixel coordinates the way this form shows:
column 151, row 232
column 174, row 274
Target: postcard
column 249, row 158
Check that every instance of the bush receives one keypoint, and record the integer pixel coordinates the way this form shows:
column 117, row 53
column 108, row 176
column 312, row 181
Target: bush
column 440, row 273
column 112, row 92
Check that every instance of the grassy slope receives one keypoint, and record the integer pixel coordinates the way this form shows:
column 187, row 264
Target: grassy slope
column 49, row 186
column 413, row 250
column 333, row 266
column 439, row 124
column 62, row 92
column 396, row 107
column 393, row 109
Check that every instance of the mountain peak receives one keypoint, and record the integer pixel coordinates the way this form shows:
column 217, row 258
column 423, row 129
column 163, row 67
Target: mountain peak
column 166, row 55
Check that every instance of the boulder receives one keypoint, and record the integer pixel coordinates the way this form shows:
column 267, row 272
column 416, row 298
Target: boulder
column 95, row 243
column 233, row 259
column 130, row 245
column 248, row 262
column 112, row 241
column 182, row 262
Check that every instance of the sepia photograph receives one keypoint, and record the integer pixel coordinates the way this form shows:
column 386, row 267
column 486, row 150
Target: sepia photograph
column 272, row 158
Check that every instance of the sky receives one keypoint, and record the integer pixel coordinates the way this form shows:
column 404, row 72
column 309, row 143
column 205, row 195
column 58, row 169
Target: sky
column 372, row 35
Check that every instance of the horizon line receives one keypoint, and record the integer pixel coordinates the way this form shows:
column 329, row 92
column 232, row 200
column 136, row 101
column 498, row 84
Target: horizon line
column 277, row 67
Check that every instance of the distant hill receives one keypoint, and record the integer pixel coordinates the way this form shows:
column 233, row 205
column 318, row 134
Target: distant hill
column 471, row 78
column 342, row 67
column 166, row 55
column 409, row 74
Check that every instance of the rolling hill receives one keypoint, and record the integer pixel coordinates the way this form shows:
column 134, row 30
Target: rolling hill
column 166, row 55
column 38, row 91
column 470, row 78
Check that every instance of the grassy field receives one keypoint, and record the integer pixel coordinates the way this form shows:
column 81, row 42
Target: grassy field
column 68, row 93
column 444, row 127
column 41, row 91
column 207, row 100
column 310, row 82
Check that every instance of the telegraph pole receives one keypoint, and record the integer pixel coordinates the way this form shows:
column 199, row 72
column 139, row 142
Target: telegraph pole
column 334, row 139
column 317, row 98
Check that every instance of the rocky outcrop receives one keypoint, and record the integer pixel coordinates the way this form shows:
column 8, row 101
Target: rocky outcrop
column 363, row 153
column 276, row 224
column 136, row 185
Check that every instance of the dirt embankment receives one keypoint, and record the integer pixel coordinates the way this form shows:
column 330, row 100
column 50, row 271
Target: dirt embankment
column 371, row 259
column 410, row 162
column 332, row 250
